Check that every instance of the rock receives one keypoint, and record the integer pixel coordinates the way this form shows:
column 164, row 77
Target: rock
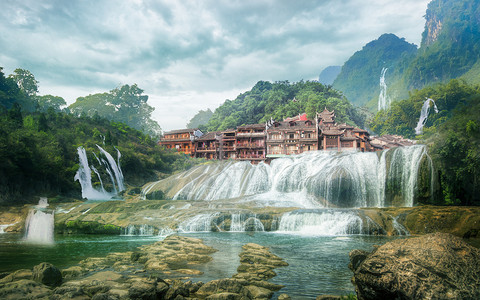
column 328, row 297
column 255, row 292
column 439, row 266
column 47, row 274
column 69, row 292
column 72, row 272
column 224, row 296
column 228, row 285
column 24, row 289
column 284, row 297
column 18, row 275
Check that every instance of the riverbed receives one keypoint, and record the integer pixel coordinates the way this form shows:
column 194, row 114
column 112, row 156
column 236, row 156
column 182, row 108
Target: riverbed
column 317, row 264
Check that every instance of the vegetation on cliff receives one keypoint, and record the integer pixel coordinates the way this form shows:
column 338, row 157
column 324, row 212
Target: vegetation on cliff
column 283, row 99
column 359, row 78
column 38, row 149
column 453, row 135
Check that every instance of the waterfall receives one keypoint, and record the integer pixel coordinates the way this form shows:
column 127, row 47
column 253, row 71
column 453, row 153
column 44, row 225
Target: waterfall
column 39, row 224
column 424, row 115
column 141, row 230
column 321, row 222
column 5, row 226
column 309, row 180
column 383, row 100
column 245, row 222
column 112, row 168
column 199, row 223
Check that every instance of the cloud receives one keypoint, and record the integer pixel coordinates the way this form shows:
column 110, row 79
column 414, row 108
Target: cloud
column 190, row 55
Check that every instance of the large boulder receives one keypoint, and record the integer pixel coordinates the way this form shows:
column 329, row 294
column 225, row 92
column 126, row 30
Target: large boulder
column 434, row 266
column 47, row 274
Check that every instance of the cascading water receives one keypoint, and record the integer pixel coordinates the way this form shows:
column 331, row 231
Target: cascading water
column 321, row 222
column 424, row 115
column 141, row 230
column 84, row 175
column 310, row 180
column 39, row 224
column 383, row 100
column 245, row 222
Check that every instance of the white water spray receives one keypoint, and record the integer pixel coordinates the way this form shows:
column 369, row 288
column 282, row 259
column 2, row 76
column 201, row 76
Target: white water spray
column 424, row 115
column 39, row 224
column 383, row 100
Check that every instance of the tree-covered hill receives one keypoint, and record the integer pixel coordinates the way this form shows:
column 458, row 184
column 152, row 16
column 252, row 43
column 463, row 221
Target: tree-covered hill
column 283, row 99
column 450, row 49
column 453, row 136
column 360, row 75
column 38, row 149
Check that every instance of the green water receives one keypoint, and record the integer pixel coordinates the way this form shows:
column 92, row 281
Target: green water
column 317, row 265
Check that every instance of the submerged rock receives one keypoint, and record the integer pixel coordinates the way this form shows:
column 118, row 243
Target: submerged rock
column 434, row 266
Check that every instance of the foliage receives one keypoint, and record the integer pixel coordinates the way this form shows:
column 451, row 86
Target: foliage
column 359, row 77
column 403, row 116
column 200, row 119
column 38, row 151
column 453, row 134
column 125, row 104
column 50, row 101
column 280, row 100
column 456, row 152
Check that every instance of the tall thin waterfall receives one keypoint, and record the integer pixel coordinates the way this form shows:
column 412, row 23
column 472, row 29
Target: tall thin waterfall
column 310, row 180
column 383, row 100
column 39, row 224
column 424, row 115
column 84, row 175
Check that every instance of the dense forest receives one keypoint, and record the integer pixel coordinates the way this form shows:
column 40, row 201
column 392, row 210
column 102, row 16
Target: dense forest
column 38, row 145
column 453, row 135
column 283, row 99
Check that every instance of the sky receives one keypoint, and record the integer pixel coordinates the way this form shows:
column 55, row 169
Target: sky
column 190, row 55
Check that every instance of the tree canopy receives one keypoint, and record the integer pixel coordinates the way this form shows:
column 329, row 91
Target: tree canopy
column 125, row 104
column 283, row 99
column 200, row 119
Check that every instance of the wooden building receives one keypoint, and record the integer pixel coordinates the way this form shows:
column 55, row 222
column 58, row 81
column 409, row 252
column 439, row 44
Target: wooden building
column 227, row 149
column 208, row 145
column 183, row 140
column 292, row 136
column 250, row 142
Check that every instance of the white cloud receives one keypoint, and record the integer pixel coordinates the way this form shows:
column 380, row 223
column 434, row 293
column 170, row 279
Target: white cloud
column 191, row 55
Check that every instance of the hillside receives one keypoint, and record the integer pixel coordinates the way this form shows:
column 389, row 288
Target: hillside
column 360, row 75
column 38, row 149
column 282, row 99
column 450, row 48
column 453, row 136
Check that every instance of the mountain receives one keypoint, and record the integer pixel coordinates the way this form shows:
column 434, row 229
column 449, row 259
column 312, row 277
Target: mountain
column 328, row 75
column 450, row 49
column 360, row 75
column 450, row 45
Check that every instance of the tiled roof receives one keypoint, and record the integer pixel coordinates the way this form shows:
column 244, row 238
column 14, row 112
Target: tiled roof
column 181, row 131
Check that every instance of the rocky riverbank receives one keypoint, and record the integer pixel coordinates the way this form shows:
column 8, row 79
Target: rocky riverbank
column 433, row 266
column 157, row 271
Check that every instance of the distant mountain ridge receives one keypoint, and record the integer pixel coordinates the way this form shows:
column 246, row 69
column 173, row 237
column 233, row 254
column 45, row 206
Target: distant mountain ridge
column 450, row 48
column 360, row 75
column 328, row 75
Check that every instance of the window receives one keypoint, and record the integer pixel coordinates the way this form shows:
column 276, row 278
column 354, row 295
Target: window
column 291, row 136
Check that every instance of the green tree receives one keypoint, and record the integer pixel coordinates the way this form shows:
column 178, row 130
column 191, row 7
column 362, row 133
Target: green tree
column 26, row 81
column 46, row 101
column 201, row 118
column 125, row 104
